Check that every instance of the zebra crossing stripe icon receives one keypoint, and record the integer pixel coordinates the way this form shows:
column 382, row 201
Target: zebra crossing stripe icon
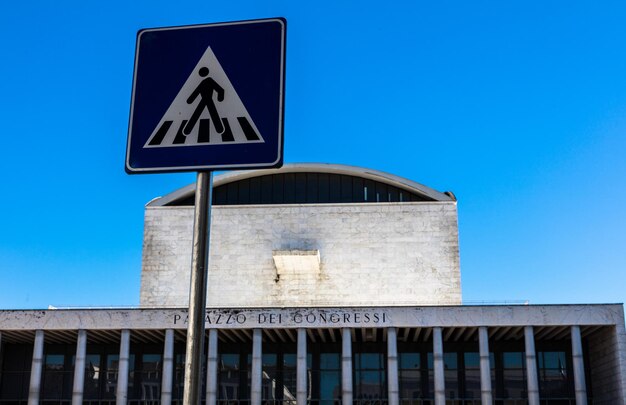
column 206, row 111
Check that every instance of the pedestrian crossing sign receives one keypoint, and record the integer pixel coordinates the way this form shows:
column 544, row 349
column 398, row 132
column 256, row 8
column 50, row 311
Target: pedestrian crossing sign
column 208, row 97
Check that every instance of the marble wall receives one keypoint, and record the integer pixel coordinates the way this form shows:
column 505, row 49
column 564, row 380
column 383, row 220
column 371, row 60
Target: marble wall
column 369, row 254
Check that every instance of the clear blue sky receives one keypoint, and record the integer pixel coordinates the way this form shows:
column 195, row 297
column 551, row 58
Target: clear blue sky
column 519, row 108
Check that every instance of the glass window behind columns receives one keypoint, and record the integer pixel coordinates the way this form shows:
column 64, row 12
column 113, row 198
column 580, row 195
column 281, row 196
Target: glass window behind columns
column 369, row 377
column 179, row 375
column 514, row 375
column 147, row 387
column 270, row 385
column 15, row 372
column 111, row 374
column 553, row 375
column 93, row 372
column 451, row 374
column 290, row 374
column 431, row 375
column 233, row 366
column 178, row 382
column 58, row 373
column 330, row 378
column 230, row 376
column 472, row 374
column 410, row 378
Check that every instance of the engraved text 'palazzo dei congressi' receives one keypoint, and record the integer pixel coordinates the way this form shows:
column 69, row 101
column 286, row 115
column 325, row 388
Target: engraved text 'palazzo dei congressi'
column 287, row 319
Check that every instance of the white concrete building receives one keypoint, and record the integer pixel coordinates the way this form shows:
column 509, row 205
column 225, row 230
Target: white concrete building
column 290, row 248
column 327, row 284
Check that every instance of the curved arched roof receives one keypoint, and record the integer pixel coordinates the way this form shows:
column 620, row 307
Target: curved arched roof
column 229, row 177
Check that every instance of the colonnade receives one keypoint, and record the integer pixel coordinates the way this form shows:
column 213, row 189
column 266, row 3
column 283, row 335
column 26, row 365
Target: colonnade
column 301, row 391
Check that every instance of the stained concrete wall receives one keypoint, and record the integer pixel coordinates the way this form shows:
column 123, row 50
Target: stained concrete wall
column 370, row 254
column 607, row 355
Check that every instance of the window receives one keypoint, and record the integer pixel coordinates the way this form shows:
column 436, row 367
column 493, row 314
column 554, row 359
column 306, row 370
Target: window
column 330, row 378
column 148, row 377
column 289, row 377
column 514, row 375
column 306, row 188
column 57, row 376
column 111, row 375
column 229, row 376
column 553, row 381
column 369, row 376
column 451, row 372
column 410, row 377
column 92, row 377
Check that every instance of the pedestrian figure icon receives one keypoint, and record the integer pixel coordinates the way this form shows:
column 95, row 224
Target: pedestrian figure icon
column 205, row 91
column 206, row 111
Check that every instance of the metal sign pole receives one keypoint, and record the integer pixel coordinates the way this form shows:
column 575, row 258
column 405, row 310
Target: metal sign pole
column 198, row 288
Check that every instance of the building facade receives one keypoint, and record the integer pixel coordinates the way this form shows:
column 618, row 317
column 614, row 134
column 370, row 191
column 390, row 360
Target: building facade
column 328, row 284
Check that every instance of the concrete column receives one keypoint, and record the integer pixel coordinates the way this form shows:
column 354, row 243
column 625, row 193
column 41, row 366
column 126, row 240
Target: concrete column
column 579, row 367
column 393, row 390
column 531, row 366
column 168, row 368
column 485, row 366
column 79, row 368
column 121, row 395
column 301, row 371
column 440, row 382
column 211, row 369
column 257, row 367
column 346, row 366
column 35, row 369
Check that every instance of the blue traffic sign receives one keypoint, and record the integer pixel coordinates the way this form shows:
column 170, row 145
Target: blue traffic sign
column 208, row 97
